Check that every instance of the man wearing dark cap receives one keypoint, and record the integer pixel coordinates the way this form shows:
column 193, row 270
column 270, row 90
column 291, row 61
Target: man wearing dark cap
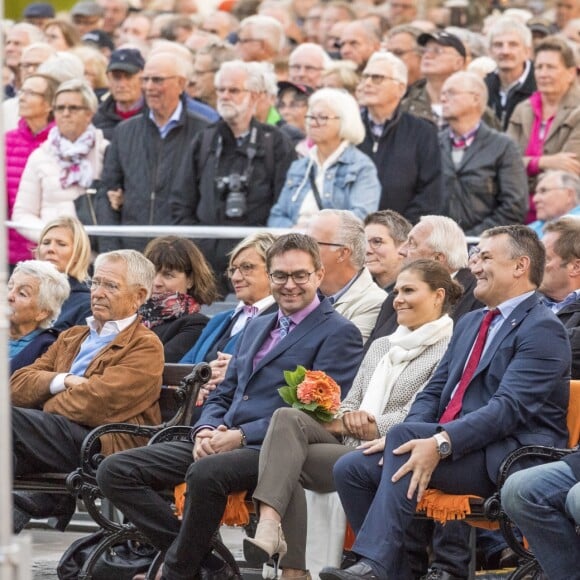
column 443, row 55
column 100, row 40
column 86, row 16
column 125, row 98
column 38, row 13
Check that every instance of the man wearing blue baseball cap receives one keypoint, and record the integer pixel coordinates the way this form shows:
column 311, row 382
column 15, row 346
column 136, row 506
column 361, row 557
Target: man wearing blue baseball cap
column 125, row 97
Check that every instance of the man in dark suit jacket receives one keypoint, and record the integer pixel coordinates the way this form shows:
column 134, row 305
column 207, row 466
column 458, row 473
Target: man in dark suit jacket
column 222, row 456
column 436, row 238
column 514, row 391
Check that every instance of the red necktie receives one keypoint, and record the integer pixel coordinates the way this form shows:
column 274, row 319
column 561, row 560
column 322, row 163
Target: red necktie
column 454, row 405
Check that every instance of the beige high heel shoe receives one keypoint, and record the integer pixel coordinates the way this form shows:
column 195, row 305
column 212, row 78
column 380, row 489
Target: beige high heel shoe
column 305, row 576
column 267, row 544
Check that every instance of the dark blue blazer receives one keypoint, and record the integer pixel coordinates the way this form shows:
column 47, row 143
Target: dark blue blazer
column 248, row 397
column 519, row 393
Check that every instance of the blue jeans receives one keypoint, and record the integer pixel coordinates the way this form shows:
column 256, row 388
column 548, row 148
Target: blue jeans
column 544, row 502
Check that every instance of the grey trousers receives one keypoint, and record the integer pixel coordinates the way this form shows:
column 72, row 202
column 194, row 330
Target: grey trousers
column 297, row 454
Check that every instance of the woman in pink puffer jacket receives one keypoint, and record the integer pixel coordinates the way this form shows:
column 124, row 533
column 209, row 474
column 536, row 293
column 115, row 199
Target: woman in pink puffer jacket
column 35, row 109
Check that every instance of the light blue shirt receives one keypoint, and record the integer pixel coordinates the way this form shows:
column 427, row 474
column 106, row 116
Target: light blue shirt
column 173, row 120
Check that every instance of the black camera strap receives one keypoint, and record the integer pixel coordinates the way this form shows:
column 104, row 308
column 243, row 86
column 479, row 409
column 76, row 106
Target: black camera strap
column 315, row 189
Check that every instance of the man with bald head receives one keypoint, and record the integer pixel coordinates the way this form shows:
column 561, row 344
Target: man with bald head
column 220, row 23
column 306, row 64
column 140, row 164
column 358, row 41
column 483, row 174
column 260, row 38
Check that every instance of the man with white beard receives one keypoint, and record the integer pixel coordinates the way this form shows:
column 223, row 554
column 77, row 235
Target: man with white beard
column 236, row 167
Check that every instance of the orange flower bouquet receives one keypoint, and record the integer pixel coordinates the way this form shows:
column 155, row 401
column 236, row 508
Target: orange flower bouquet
column 313, row 392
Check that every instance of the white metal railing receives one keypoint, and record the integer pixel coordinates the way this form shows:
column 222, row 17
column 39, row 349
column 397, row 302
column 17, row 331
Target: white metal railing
column 153, row 231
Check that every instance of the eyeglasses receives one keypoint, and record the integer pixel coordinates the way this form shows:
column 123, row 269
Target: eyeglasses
column 29, row 93
column 198, row 73
column 330, row 244
column 234, row 91
column 307, row 67
column 319, row 120
column 246, row 40
column 376, row 79
column 451, row 93
column 29, row 65
column 375, row 243
column 300, row 277
column 69, row 108
column 245, row 269
column 156, row 80
column 401, row 53
column 435, row 50
column 291, row 105
column 544, row 190
column 107, row 286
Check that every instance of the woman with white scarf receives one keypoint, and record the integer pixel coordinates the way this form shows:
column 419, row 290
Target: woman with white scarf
column 299, row 453
column 64, row 167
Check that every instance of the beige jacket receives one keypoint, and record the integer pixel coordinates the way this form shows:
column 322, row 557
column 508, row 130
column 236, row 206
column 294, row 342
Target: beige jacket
column 361, row 303
column 564, row 134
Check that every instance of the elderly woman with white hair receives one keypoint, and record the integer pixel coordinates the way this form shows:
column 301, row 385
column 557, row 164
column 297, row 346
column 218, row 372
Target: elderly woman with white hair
column 61, row 170
column 335, row 175
column 36, row 293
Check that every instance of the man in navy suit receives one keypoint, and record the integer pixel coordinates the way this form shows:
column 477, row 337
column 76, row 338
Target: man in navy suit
column 222, row 456
column 501, row 385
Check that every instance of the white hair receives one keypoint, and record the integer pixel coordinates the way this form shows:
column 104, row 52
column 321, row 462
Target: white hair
column 53, row 287
column 505, row 25
column 316, row 48
column 63, row 66
column 254, row 81
column 398, row 67
column 345, row 107
column 268, row 78
column 81, row 87
column 447, row 238
column 267, row 29
column 140, row 270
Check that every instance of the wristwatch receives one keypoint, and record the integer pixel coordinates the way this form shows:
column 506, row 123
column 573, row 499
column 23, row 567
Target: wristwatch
column 443, row 446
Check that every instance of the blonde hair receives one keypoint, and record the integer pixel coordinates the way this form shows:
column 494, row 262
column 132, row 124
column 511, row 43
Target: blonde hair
column 78, row 265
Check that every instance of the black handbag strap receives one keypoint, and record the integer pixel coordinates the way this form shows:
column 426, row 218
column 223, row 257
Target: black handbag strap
column 315, row 190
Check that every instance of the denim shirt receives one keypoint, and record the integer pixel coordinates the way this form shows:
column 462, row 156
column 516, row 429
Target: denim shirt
column 351, row 183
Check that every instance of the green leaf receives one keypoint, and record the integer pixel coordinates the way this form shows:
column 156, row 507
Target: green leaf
column 323, row 415
column 288, row 395
column 294, row 378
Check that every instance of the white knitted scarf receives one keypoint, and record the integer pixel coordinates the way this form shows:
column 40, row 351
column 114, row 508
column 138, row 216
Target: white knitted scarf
column 404, row 346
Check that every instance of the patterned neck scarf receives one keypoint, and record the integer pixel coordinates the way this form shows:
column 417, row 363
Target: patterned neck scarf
column 161, row 308
column 72, row 158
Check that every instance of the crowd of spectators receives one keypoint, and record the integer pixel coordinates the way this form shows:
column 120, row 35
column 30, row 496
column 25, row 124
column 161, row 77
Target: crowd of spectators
column 387, row 132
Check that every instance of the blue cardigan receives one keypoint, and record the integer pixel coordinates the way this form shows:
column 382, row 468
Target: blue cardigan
column 209, row 336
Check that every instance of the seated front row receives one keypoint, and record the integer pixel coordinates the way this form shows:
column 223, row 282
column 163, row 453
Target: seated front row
column 300, row 452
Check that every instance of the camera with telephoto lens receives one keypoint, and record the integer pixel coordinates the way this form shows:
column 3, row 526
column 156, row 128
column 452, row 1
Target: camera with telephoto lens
column 234, row 187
